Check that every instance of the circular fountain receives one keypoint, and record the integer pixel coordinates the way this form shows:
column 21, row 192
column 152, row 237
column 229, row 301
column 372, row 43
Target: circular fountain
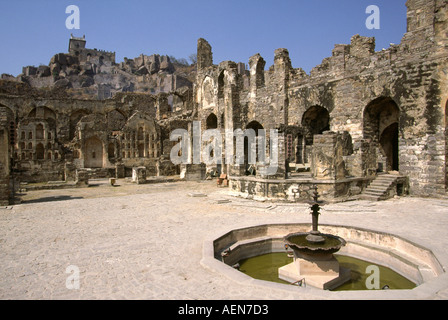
column 255, row 255
column 314, row 261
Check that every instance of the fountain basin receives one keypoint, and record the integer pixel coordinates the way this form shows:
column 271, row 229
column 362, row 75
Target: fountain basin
column 407, row 258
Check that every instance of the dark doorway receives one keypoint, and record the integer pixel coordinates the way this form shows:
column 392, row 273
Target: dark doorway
column 381, row 128
column 212, row 122
column 316, row 120
column 254, row 125
column 389, row 145
column 93, row 153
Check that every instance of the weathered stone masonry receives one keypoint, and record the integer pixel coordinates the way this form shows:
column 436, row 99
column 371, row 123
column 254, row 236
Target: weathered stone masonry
column 391, row 103
column 5, row 146
column 358, row 114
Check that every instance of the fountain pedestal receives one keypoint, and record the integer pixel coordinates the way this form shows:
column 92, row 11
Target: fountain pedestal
column 321, row 271
column 313, row 256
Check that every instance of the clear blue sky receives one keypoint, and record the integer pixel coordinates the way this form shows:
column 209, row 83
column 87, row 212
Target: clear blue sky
column 32, row 31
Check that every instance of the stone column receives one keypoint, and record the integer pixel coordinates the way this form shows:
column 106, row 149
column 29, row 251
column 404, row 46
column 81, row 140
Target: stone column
column 119, row 171
column 327, row 157
column 204, row 54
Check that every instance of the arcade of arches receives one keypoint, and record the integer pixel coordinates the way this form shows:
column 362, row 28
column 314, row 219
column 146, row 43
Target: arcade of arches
column 357, row 115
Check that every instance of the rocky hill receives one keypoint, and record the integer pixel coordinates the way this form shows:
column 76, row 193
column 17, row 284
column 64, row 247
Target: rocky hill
column 94, row 74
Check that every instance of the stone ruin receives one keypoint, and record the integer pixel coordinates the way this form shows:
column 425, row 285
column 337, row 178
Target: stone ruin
column 357, row 116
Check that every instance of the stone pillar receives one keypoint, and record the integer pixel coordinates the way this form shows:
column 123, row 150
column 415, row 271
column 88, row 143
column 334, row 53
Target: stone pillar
column 82, row 178
column 70, row 171
column 256, row 65
column 281, row 171
column 195, row 172
column 204, row 55
column 327, row 157
column 119, row 171
column 139, row 175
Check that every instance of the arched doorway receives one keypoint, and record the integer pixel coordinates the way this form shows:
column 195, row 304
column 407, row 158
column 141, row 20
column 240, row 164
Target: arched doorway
column 211, row 122
column 93, row 153
column 250, row 168
column 111, row 151
column 381, row 128
column 315, row 120
column 40, row 151
column 389, row 145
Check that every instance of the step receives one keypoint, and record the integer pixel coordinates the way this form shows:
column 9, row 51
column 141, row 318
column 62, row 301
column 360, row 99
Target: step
column 373, row 192
column 383, row 181
column 369, row 197
column 374, row 195
column 379, row 188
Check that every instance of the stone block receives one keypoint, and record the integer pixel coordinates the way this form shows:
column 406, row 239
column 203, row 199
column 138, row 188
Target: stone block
column 82, row 178
column 195, row 172
column 139, row 175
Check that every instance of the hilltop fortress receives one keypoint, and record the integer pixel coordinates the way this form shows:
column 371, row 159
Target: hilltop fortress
column 361, row 124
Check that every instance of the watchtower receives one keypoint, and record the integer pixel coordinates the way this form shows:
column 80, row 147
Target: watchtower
column 76, row 44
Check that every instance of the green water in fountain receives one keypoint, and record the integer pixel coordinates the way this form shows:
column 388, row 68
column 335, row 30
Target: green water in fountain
column 265, row 267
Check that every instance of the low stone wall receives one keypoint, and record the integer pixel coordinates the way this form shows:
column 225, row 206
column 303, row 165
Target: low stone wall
column 296, row 190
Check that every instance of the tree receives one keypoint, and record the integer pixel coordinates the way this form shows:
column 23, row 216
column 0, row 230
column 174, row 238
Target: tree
column 193, row 58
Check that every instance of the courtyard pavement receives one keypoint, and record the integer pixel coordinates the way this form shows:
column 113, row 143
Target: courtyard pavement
column 146, row 241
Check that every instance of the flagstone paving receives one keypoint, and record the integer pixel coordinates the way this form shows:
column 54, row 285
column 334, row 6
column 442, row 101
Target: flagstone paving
column 145, row 241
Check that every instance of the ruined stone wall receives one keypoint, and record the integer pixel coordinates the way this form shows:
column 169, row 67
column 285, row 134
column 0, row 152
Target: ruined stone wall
column 5, row 192
column 57, row 135
column 392, row 103
column 389, row 107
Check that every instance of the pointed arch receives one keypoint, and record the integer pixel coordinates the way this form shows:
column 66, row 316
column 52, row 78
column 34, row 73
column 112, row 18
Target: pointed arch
column 212, row 122
column 315, row 120
column 381, row 127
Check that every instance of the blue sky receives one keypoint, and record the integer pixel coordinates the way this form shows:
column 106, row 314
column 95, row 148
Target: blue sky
column 32, row 31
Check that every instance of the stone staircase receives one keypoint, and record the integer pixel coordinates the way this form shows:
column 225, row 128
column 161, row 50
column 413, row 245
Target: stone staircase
column 384, row 187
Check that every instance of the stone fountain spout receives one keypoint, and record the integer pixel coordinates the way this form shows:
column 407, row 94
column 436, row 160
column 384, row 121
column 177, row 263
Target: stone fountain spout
column 313, row 255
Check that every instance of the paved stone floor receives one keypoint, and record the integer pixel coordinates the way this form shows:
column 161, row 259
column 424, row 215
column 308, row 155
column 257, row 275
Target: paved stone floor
column 145, row 241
